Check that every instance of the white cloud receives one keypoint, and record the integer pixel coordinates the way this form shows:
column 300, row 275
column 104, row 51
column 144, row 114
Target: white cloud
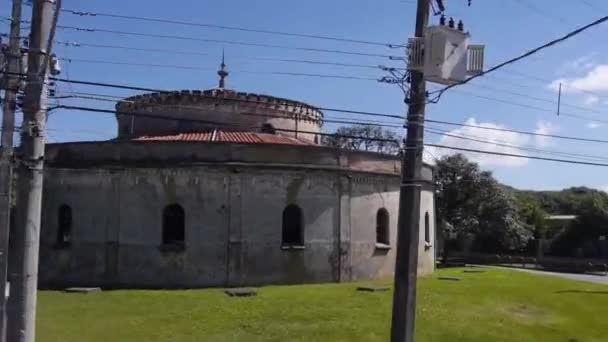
column 544, row 127
column 595, row 79
column 492, row 141
column 484, row 160
column 594, row 125
column 578, row 65
column 591, row 100
column 428, row 156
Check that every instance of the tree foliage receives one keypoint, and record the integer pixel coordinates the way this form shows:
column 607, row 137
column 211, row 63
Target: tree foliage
column 476, row 208
column 364, row 138
column 580, row 237
column 565, row 202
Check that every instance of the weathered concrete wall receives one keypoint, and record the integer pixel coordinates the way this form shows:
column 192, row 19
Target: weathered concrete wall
column 426, row 254
column 233, row 220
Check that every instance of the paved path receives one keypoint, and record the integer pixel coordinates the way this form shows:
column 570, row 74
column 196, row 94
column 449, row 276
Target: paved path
column 598, row 279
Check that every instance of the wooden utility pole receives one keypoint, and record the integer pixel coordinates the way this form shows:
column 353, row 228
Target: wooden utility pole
column 24, row 275
column 406, row 265
column 12, row 84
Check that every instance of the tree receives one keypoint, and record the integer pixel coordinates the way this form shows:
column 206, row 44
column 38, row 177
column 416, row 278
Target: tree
column 582, row 236
column 364, row 138
column 476, row 208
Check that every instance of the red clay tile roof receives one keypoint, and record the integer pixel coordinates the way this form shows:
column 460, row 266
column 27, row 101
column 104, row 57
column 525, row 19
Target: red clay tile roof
column 229, row 137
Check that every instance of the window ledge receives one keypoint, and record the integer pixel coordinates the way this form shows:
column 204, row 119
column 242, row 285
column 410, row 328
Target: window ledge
column 172, row 247
column 383, row 246
column 293, row 247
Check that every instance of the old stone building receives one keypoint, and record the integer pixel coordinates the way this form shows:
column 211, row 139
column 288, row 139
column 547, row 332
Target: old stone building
column 220, row 188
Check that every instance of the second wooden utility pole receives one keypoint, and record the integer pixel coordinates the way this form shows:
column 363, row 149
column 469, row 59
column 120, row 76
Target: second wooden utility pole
column 24, row 267
column 406, row 265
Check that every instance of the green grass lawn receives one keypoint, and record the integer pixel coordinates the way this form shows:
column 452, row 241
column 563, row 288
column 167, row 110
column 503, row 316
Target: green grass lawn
column 498, row 305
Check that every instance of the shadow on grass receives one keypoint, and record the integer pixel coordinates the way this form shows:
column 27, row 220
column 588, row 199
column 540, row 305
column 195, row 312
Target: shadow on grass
column 583, row 291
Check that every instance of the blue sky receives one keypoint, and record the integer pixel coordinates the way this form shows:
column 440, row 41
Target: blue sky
column 506, row 27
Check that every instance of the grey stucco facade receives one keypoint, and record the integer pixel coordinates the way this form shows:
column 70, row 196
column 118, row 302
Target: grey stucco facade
column 233, row 197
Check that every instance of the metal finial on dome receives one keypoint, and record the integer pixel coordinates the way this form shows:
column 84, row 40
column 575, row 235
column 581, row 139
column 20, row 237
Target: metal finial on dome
column 222, row 73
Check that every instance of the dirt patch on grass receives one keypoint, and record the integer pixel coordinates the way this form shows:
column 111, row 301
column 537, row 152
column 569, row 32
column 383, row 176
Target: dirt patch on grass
column 525, row 313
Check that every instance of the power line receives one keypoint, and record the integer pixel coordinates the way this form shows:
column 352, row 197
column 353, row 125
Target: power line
column 516, row 155
column 95, row 97
column 541, row 12
column 340, row 110
column 97, row 110
column 221, row 41
column 545, row 81
column 231, row 28
column 513, row 146
column 576, row 116
column 118, row 86
column 277, row 73
column 522, row 56
column 442, row 132
column 506, row 91
column 199, row 53
column 349, row 111
column 335, row 120
column 563, row 137
column 188, row 67
column 78, row 93
column 229, row 125
column 591, row 5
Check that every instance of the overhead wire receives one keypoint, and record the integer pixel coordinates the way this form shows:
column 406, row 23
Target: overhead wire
column 342, row 110
column 432, row 130
column 332, row 134
column 189, row 67
column 500, row 143
column 230, row 28
column 338, row 120
column 499, row 129
column 199, row 53
column 223, row 41
column 546, row 82
column 540, row 12
column 228, row 125
column 591, row 5
column 523, row 95
column 185, row 67
column 566, row 161
column 541, row 109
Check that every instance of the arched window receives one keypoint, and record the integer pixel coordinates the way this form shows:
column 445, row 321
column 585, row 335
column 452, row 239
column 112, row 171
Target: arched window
column 64, row 225
column 174, row 221
column 293, row 232
column 268, row 128
column 427, row 228
column 382, row 230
